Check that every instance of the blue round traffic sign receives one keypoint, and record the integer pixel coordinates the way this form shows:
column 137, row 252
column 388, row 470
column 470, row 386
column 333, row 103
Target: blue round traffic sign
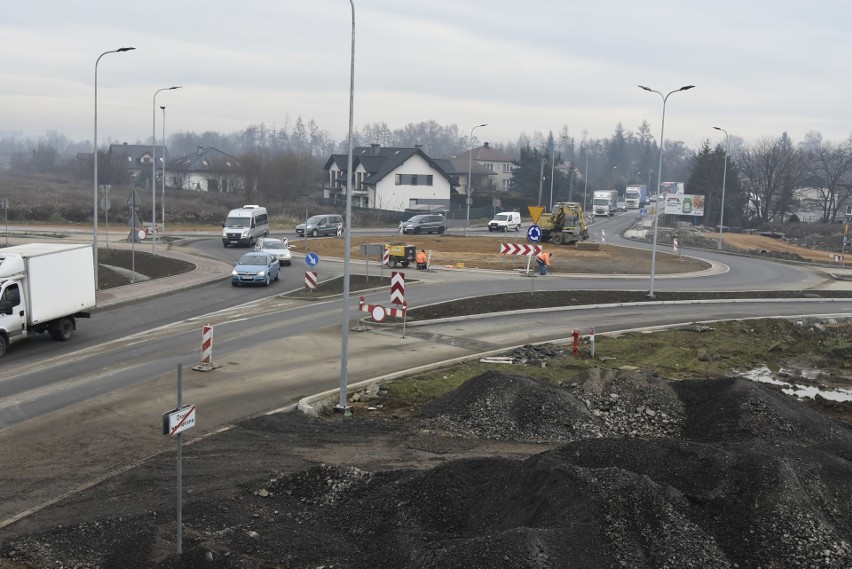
column 534, row 233
column 312, row 259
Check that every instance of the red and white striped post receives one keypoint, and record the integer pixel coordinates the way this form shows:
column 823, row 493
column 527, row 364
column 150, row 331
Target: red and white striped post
column 386, row 257
column 310, row 281
column 206, row 350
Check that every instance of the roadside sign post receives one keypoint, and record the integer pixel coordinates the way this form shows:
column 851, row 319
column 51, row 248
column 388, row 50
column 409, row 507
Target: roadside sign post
column 534, row 236
column 175, row 422
column 5, row 203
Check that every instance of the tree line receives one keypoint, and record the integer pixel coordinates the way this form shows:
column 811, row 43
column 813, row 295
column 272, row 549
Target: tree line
column 763, row 178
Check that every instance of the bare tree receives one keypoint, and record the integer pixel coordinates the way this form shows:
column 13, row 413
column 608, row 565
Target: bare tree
column 771, row 169
column 829, row 169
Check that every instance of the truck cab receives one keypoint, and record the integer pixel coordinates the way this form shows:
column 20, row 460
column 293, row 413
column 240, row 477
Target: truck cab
column 13, row 321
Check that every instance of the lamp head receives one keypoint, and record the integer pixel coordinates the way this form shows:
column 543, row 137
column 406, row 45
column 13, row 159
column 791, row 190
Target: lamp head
column 123, row 49
column 173, row 88
column 644, row 87
column 162, row 107
column 687, row 88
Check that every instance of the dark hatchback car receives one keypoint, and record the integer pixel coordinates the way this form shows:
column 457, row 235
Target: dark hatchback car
column 425, row 223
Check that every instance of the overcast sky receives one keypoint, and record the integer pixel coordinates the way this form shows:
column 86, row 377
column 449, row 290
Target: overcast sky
column 760, row 67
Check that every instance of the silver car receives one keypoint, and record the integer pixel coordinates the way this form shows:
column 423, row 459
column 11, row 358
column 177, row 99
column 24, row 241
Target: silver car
column 278, row 248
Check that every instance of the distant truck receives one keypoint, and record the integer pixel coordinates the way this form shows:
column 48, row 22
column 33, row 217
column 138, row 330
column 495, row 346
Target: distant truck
column 636, row 196
column 44, row 287
column 605, row 202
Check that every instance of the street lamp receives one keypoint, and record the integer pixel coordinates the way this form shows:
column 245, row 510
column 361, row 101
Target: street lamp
column 154, row 170
column 95, row 157
column 163, row 195
column 724, row 176
column 347, row 235
column 586, row 182
column 552, row 164
column 470, row 177
column 659, row 172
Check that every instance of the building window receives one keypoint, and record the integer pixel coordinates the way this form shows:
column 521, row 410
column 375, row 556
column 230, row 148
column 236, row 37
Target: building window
column 507, row 185
column 413, row 179
column 507, row 168
column 489, row 165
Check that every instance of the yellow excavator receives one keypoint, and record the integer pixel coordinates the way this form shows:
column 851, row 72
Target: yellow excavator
column 565, row 225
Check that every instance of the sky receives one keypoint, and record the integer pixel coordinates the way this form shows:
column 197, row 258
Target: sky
column 760, row 67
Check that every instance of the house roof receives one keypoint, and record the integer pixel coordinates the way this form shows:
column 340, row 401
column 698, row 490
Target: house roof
column 136, row 151
column 380, row 162
column 486, row 153
column 461, row 165
column 204, row 160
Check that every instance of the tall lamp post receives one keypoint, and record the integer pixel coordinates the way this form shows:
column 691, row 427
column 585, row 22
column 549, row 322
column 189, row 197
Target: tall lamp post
column 659, row 173
column 95, row 159
column 154, row 170
column 163, row 194
column 347, row 233
column 469, row 196
column 586, row 182
column 724, row 176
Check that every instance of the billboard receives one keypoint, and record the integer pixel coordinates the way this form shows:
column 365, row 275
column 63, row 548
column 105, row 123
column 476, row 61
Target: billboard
column 684, row 204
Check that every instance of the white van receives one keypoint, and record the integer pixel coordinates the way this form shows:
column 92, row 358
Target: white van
column 245, row 225
column 505, row 221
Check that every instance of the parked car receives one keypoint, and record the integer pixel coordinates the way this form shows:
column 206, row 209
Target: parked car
column 326, row 224
column 278, row 248
column 255, row 268
column 425, row 223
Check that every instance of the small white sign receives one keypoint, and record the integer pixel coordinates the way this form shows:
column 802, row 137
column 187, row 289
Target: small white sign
column 178, row 420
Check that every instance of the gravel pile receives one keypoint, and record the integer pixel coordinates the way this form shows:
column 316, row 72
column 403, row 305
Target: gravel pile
column 722, row 474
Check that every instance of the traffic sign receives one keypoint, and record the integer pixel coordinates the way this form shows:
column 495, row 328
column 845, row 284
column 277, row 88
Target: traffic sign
column 312, row 259
column 643, row 212
column 104, row 203
column 519, row 249
column 535, row 212
column 178, row 420
column 141, row 234
column 534, row 233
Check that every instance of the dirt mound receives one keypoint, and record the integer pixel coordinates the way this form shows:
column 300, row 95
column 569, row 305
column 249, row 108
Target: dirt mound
column 736, row 476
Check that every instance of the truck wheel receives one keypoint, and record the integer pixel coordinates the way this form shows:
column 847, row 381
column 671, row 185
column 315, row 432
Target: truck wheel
column 441, row 230
column 392, row 262
column 405, row 263
column 4, row 343
column 557, row 238
column 63, row 330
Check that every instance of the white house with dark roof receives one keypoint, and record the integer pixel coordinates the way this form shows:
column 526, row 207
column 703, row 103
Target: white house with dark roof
column 396, row 179
column 208, row 170
column 501, row 164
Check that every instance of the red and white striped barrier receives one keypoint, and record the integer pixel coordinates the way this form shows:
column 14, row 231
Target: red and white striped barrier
column 386, row 258
column 519, row 249
column 310, row 280
column 206, row 350
column 397, row 290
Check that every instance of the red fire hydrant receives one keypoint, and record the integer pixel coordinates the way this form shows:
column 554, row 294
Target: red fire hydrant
column 576, row 334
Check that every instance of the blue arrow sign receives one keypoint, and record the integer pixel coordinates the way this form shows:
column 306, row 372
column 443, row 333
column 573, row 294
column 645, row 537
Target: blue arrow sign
column 312, row 259
column 643, row 212
column 534, row 233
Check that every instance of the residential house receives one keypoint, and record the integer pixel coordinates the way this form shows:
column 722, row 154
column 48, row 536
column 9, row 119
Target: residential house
column 208, row 170
column 494, row 160
column 133, row 162
column 396, row 179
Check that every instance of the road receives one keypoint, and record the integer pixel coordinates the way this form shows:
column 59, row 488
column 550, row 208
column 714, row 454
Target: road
column 74, row 412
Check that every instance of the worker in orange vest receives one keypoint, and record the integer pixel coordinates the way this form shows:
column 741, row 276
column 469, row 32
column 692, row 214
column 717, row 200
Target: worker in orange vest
column 543, row 260
column 422, row 260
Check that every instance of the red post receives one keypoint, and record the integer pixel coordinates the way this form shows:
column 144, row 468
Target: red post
column 576, row 334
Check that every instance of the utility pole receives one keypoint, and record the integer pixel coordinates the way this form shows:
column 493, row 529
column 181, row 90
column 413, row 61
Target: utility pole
column 541, row 181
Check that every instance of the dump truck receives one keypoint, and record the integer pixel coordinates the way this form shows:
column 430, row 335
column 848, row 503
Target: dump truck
column 565, row 225
column 400, row 254
column 44, row 287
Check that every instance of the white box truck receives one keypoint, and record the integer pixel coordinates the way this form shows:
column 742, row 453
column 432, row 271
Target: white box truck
column 636, row 196
column 44, row 287
column 605, row 202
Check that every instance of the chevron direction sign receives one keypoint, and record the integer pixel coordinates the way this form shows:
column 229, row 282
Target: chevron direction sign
column 519, row 249
column 397, row 288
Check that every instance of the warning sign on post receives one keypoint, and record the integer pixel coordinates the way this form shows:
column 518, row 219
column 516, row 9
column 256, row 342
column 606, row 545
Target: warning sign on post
column 178, row 420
